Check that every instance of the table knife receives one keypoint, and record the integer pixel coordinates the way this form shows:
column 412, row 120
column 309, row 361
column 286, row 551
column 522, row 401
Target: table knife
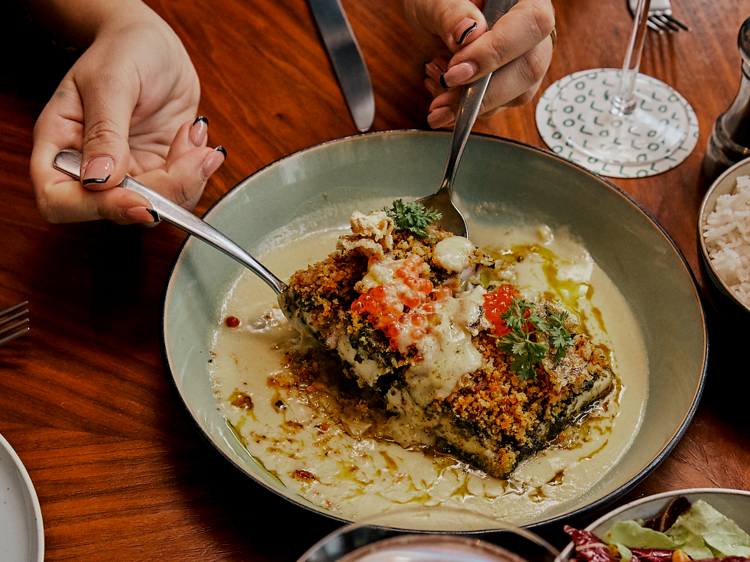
column 347, row 60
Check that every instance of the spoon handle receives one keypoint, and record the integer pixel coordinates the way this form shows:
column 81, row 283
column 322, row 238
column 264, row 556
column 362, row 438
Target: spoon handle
column 468, row 109
column 471, row 100
column 162, row 208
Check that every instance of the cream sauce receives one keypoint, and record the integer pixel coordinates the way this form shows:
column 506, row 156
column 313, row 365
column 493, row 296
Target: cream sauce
column 355, row 477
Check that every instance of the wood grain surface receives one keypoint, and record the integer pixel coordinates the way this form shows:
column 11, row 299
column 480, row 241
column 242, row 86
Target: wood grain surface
column 85, row 400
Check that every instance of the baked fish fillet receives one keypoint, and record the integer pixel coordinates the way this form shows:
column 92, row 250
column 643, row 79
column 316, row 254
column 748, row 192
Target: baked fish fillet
column 409, row 318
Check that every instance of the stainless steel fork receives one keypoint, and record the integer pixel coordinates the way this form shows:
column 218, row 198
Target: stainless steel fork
column 660, row 18
column 14, row 322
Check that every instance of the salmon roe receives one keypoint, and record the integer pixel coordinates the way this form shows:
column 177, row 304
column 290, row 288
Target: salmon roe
column 498, row 302
column 401, row 309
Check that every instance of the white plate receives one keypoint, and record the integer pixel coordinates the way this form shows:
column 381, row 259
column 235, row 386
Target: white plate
column 21, row 529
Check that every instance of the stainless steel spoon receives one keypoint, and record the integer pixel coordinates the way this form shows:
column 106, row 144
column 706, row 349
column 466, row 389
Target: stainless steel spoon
column 452, row 220
column 162, row 208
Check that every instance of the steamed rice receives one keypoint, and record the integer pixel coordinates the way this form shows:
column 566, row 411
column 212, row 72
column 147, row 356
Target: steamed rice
column 727, row 236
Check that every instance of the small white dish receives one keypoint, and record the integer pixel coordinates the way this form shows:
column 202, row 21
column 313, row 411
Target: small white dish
column 734, row 504
column 21, row 528
column 723, row 297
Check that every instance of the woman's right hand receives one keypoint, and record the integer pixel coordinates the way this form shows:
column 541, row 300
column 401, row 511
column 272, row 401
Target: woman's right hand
column 517, row 50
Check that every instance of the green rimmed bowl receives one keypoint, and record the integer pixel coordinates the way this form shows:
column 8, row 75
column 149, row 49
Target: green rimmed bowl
column 322, row 185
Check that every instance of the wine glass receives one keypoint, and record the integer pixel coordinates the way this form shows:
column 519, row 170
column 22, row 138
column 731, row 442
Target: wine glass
column 428, row 534
column 620, row 116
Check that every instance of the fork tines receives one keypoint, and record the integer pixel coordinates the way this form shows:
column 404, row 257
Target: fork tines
column 660, row 18
column 14, row 322
column 665, row 22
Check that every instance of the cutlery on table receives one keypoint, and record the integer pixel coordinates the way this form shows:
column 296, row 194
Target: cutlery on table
column 660, row 18
column 14, row 322
column 162, row 208
column 347, row 60
column 471, row 98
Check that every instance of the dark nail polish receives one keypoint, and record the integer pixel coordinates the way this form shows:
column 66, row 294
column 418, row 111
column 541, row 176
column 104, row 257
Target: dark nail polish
column 222, row 150
column 199, row 131
column 98, row 171
column 426, row 124
column 95, row 181
column 466, row 33
column 442, row 81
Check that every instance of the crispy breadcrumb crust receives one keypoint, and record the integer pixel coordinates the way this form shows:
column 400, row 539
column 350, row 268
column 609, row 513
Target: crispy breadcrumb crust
column 511, row 418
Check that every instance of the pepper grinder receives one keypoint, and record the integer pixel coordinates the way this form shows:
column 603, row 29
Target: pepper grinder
column 730, row 138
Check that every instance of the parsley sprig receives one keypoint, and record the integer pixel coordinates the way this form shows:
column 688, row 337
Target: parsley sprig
column 412, row 216
column 559, row 337
column 522, row 341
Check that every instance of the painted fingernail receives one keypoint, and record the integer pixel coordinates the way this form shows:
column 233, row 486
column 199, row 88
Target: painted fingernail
column 462, row 31
column 137, row 214
column 459, row 74
column 98, row 170
column 199, row 131
column 213, row 161
column 440, row 117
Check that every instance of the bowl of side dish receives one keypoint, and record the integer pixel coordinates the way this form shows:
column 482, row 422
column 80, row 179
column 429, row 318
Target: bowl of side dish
column 723, row 224
column 501, row 184
column 713, row 506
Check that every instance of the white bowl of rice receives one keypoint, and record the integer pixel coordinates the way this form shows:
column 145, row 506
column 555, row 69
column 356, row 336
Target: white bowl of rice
column 724, row 233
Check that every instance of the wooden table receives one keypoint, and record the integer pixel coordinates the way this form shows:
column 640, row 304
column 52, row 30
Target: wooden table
column 84, row 398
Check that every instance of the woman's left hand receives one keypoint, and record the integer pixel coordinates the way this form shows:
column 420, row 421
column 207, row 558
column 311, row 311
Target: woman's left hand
column 129, row 105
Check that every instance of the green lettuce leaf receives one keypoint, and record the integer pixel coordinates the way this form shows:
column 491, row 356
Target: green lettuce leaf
column 632, row 535
column 702, row 532
column 705, row 530
column 624, row 551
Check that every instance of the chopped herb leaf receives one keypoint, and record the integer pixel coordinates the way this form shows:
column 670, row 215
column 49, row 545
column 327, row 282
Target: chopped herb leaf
column 412, row 216
column 559, row 337
column 521, row 341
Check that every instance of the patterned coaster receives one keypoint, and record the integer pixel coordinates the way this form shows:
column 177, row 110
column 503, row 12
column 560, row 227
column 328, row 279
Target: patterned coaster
column 668, row 140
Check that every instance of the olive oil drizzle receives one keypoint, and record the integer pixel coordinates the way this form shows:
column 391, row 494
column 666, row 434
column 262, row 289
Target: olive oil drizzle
column 565, row 291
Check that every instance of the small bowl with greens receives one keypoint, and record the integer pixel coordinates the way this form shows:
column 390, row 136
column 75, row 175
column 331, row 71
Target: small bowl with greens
column 676, row 526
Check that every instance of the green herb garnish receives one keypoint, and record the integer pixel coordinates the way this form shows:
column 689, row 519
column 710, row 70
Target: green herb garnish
column 521, row 342
column 559, row 337
column 412, row 216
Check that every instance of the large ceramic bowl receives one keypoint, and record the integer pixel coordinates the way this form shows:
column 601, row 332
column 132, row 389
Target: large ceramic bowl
column 725, row 300
column 505, row 182
column 734, row 504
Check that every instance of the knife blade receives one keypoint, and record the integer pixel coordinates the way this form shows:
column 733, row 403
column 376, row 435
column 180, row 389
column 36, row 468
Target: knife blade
column 347, row 60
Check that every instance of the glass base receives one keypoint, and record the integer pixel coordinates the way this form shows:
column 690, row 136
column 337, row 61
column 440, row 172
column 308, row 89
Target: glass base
column 383, row 538
column 431, row 548
column 582, row 111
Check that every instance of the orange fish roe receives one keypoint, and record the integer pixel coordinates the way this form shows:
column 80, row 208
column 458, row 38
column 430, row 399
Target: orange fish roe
column 498, row 302
column 401, row 309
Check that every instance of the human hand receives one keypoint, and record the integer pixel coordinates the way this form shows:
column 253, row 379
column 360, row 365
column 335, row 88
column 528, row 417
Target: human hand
column 129, row 105
column 517, row 50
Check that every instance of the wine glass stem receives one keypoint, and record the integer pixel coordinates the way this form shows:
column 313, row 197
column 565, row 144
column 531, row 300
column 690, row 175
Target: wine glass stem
column 623, row 103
